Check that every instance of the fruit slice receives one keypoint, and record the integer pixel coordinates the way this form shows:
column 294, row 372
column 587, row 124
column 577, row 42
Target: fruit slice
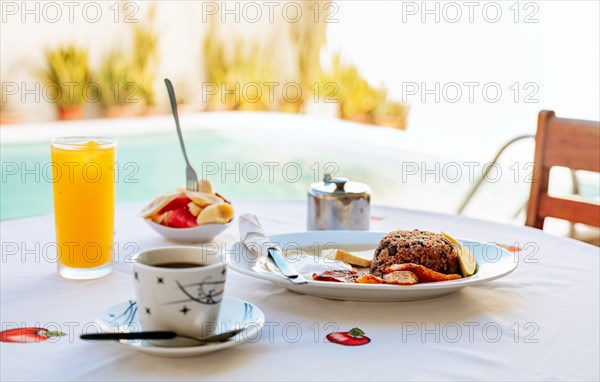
column 219, row 213
column 353, row 337
column 205, row 186
column 359, row 258
column 194, row 208
column 180, row 218
column 466, row 259
column 178, row 202
column 158, row 203
column 160, row 219
column 202, row 199
column 222, row 197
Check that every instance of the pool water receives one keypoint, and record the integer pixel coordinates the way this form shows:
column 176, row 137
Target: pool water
column 270, row 163
column 240, row 163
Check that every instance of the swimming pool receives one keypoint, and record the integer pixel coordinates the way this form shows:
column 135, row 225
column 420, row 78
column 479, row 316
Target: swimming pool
column 263, row 155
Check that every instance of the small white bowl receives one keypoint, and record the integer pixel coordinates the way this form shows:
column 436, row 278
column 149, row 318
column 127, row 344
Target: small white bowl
column 200, row 234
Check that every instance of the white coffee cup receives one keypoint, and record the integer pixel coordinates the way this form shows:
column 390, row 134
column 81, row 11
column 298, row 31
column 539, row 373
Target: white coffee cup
column 174, row 297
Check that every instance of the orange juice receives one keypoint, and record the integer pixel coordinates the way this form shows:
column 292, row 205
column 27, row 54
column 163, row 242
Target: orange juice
column 84, row 203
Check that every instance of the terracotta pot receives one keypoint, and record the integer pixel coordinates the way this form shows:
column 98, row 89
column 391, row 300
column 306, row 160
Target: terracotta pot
column 121, row 111
column 150, row 110
column 360, row 118
column 186, row 108
column 397, row 122
column 215, row 105
column 291, row 107
column 68, row 113
column 9, row 117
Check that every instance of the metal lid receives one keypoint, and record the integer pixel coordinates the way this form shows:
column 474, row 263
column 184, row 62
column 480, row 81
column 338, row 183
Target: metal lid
column 338, row 187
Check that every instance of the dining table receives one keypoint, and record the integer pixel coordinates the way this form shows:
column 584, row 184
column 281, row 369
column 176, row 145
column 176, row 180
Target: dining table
column 540, row 322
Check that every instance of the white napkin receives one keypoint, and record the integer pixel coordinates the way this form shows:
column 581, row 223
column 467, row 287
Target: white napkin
column 253, row 236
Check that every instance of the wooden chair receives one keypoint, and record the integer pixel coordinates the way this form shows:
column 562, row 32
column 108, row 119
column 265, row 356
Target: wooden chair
column 568, row 143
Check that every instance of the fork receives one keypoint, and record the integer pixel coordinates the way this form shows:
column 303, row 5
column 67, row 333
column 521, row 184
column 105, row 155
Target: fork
column 190, row 175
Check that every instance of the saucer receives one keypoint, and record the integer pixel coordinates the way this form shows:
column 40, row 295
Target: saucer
column 234, row 314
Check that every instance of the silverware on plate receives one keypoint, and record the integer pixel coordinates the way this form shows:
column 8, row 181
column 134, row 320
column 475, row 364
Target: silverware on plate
column 286, row 269
column 254, row 238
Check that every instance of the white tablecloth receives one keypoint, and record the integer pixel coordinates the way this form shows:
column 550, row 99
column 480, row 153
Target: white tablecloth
column 539, row 323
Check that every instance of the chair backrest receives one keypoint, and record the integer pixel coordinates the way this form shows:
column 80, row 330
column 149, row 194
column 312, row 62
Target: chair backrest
column 568, row 143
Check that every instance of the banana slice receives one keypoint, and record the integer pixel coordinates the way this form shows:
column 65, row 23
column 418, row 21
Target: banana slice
column 157, row 204
column 160, row 219
column 202, row 199
column 219, row 213
column 194, row 208
column 205, row 186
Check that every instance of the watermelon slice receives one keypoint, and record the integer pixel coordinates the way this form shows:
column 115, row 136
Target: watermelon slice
column 180, row 218
column 178, row 202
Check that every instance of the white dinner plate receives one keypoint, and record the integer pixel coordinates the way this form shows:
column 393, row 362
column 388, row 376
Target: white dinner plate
column 493, row 262
column 234, row 314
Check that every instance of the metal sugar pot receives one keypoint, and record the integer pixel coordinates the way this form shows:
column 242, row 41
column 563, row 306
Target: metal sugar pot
column 338, row 204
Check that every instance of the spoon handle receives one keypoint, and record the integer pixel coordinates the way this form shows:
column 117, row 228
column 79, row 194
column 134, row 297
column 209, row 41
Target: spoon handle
column 159, row 335
column 171, row 92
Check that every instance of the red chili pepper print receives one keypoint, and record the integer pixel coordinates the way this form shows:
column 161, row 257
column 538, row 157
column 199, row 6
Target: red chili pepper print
column 27, row 335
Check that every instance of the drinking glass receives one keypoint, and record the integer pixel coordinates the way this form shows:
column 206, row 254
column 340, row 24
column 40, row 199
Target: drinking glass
column 83, row 176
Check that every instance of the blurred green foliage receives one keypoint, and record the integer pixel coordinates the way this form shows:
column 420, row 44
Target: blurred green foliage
column 239, row 71
column 65, row 75
column 240, row 77
column 145, row 57
column 114, row 78
column 358, row 100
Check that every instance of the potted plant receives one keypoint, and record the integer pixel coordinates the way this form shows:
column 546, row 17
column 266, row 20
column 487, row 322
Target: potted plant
column 392, row 114
column 65, row 77
column 145, row 61
column 7, row 114
column 243, row 67
column 308, row 37
column 358, row 100
column 118, row 91
column 250, row 70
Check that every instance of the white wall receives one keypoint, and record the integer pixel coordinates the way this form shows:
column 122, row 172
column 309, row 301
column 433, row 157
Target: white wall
column 559, row 54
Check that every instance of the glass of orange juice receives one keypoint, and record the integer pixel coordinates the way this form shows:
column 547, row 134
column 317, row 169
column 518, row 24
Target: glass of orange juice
column 83, row 175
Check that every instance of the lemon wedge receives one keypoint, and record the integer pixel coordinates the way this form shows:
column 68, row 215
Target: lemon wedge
column 466, row 259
